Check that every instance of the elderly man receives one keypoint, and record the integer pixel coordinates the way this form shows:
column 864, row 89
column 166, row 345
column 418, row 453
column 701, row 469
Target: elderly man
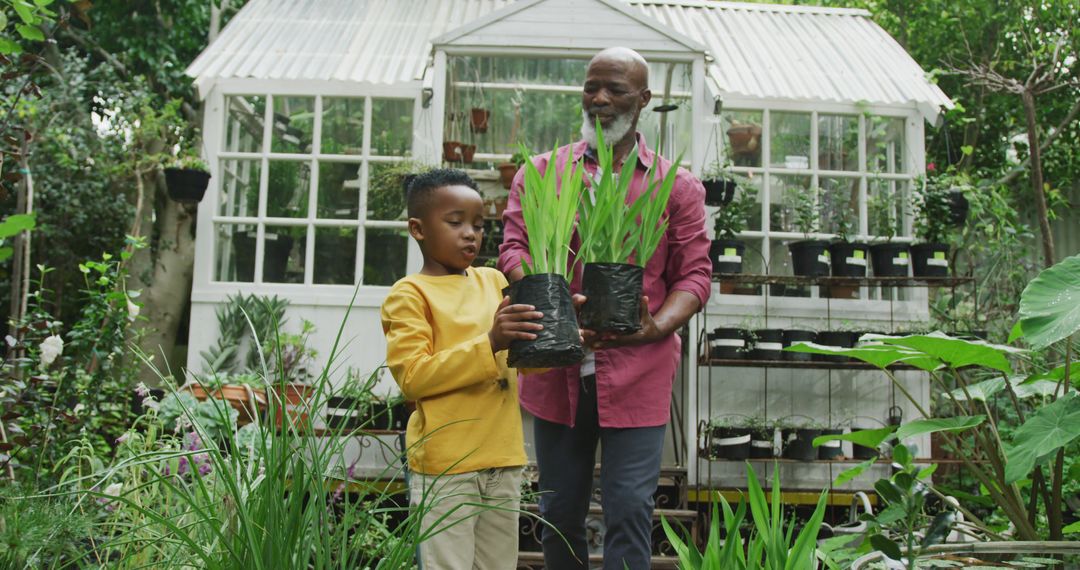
column 620, row 396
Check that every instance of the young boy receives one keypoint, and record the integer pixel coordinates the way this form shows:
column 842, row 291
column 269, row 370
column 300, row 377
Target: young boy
column 447, row 329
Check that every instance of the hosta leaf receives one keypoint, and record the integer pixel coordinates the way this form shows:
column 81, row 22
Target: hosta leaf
column 1052, row 427
column 1050, row 304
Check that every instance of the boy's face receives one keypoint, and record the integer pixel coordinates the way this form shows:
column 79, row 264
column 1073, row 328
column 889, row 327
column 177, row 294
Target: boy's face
column 451, row 230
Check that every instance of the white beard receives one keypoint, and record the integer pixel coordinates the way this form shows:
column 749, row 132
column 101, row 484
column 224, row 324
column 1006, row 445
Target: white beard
column 618, row 129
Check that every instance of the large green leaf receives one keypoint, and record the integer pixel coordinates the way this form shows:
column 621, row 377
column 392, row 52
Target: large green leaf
column 1050, row 304
column 958, row 352
column 1052, row 427
column 866, row 438
column 933, row 425
column 876, row 355
column 854, row 472
column 17, row 223
column 981, row 391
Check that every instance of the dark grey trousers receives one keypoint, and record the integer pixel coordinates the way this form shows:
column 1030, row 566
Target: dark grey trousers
column 629, row 469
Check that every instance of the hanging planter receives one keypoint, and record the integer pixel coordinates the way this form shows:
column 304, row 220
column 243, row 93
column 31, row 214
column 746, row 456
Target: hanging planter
column 795, row 336
column 810, row 258
column 478, row 120
column 186, row 185
column 890, row 259
column 451, row 151
column 727, row 255
column 507, row 171
column 468, row 151
column 727, row 343
column 930, row 260
column 849, row 259
column 719, row 191
column 745, row 139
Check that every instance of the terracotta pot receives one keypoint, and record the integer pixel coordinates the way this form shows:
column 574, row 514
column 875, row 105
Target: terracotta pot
column 478, row 119
column 246, row 402
column 296, row 401
column 197, row 391
column 467, row 152
column 745, row 139
column 451, row 151
column 507, row 171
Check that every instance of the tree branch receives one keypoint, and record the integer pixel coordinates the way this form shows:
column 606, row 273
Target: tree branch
column 1050, row 138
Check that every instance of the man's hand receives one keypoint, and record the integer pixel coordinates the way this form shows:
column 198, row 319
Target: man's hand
column 512, row 322
column 649, row 332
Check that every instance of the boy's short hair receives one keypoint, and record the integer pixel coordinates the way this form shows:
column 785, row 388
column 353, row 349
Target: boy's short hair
column 420, row 188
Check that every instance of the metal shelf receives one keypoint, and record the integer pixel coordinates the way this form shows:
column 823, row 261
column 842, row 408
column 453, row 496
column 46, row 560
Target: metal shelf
column 812, row 364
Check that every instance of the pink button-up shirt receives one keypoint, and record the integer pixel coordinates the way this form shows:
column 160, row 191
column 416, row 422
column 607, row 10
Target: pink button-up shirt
column 633, row 384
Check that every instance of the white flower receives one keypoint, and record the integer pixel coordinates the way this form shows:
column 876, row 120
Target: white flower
column 51, row 348
column 78, row 408
column 133, row 310
column 150, row 403
column 114, row 489
column 10, row 340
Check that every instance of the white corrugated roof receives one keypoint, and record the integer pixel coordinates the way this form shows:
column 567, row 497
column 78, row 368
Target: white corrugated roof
column 764, row 51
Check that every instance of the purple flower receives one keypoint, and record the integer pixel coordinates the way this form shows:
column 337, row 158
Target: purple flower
column 183, row 466
column 192, row 442
column 205, row 469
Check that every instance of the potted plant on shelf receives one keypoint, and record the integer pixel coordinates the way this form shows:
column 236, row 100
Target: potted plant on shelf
column 762, row 438
column 244, row 392
column 766, row 344
column 186, row 178
column 288, row 362
column 831, row 449
column 797, row 437
column 888, row 259
column 729, row 438
column 744, row 138
column 809, row 257
column 727, row 343
column 930, row 257
column 507, row 170
column 795, row 336
column 726, row 251
column 549, row 205
column 618, row 238
column 848, row 258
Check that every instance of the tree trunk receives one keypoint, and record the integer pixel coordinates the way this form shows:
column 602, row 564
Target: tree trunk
column 1037, row 178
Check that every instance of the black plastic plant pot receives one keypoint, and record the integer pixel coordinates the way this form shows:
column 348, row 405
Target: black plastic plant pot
column 860, row 451
column 343, row 412
column 799, row 443
column 399, row 414
column 794, row 336
column 727, row 255
column 613, row 297
column 768, row 344
column 719, row 191
column 810, row 258
column 559, row 344
column 958, row 207
column 186, row 184
column 761, row 444
column 275, row 256
column 831, row 449
column 727, row 343
column 730, row 443
column 849, row 259
column 835, row 339
column 890, row 259
column 930, row 260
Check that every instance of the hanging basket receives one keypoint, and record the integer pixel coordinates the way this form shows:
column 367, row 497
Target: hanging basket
column 478, row 120
column 186, row 185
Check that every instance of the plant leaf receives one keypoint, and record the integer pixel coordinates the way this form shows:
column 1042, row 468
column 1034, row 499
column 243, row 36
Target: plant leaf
column 981, row 391
column 876, row 355
column 854, row 472
column 887, row 547
column 933, row 425
column 865, row 438
column 1050, row 304
column 14, row 224
column 1052, row 427
column 958, row 352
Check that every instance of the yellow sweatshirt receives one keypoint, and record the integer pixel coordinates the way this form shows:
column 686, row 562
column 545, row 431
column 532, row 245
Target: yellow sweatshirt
column 467, row 416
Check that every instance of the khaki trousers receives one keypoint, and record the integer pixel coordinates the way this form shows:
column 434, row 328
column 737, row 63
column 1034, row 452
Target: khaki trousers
column 479, row 519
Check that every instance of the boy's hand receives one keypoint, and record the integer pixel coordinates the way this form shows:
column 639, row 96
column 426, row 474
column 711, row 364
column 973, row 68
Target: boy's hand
column 512, row 323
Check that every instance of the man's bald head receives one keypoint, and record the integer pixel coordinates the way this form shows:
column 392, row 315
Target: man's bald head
column 633, row 65
column 616, row 90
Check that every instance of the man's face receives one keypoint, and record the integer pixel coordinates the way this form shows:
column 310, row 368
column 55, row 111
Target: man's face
column 613, row 95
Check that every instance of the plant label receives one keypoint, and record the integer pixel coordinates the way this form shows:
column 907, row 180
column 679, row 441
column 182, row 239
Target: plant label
column 857, row 260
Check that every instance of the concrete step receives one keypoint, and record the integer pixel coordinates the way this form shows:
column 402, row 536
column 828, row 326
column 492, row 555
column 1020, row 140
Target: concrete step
column 535, row 561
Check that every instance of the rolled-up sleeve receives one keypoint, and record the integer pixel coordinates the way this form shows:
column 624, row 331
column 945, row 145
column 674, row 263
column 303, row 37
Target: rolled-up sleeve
column 688, row 266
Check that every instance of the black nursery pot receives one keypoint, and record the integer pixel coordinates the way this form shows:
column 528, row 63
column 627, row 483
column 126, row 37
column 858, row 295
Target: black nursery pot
column 613, row 293
column 862, row 452
column 799, row 443
column 958, row 207
column 275, row 256
column 718, row 191
column 726, row 255
column 930, row 260
column 730, row 443
column 890, row 259
column 761, row 444
column 849, row 259
column 342, row 412
column 185, row 184
column 838, row 339
column 727, row 343
column 794, row 336
column 810, row 258
column 768, row 344
column 831, row 449
column 559, row 343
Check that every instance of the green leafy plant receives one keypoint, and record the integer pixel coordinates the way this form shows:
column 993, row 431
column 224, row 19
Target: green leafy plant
column 931, row 206
column 732, row 218
column 613, row 231
column 806, row 212
column 772, row 545
column 549, row 205
column 12, row 226
column 843, row 224
column 188, row 162
column 885, row 210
